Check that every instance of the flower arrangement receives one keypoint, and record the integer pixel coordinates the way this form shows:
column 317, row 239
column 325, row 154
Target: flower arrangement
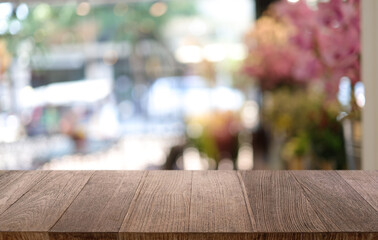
column 294, row 44
column 298, row 53
column 313, row 137
column 216, row 134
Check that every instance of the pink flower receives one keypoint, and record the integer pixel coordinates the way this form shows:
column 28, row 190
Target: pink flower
column 307, row 67
column 298, row 14
column 338, row 48
column 325, row 44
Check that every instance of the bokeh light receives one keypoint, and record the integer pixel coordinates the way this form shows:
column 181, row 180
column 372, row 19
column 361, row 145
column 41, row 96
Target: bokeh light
column 158, row 9
column 110, row 57
column 22, row 11
column 83, row 9
column 42, row 12
column 14, row 27
column 189, row 54
column 3, row 26
column 5, row 10
column 359, row 94
column 187, row 77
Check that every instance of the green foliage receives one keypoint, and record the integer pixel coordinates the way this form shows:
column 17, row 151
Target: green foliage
column 309, row 123
column 206, row 144
column 118, row 22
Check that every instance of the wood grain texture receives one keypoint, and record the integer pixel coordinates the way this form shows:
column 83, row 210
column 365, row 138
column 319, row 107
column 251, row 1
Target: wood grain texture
column 250, row 236
column 365, row 183
column 82, row 235
column 40, row 208
column 24, row 236
column 372, row 174
column 278, row 203
column 218, row 203
column 161, row 203
column 13, row 184
column 337, row 204
column 100, row 207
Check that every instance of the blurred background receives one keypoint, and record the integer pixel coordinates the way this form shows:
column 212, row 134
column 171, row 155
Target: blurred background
column 194, row 85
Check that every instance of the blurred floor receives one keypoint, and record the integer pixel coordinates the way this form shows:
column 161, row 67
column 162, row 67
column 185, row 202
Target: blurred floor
column 134, row 152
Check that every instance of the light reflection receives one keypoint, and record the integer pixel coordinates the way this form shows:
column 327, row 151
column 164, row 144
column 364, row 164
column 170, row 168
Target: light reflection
column 22, row 11
column 192, row 159
column 245, row 158
column 214, row 52
column 359, row 93
column 42, row 12
column 6, row 9
column 198, row 27
column 225, row 164
column 250, row 114
column 14, row 27
column 236, row 52
column 344, row 95
column 189, row 54
column 10, row 126
column 83, row 9
column 158, row 9
column 3, row 26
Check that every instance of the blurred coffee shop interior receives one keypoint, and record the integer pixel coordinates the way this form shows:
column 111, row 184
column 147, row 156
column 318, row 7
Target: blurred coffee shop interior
column 188, row 85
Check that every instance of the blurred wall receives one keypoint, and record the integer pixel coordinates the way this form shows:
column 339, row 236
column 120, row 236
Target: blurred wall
column 370, row 77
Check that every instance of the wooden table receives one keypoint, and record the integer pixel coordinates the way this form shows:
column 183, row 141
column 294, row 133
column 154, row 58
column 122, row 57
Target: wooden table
column 188, row 205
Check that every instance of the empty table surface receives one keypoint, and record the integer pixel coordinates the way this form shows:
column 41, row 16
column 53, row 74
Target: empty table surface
column 188, row 205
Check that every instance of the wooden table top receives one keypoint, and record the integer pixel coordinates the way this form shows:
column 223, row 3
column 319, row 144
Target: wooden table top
column 188, row 205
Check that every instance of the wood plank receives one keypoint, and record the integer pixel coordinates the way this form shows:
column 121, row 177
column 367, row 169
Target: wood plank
column 40, row 208
column 251, row 236
column 337, row 204
column 24, row 236
column 278, row 203
column 13, row 184
column 364, row 184
column 218, row 203
column 161, row 203
column 100, row 207
column 82, row 235
column 198, row 236
column 372, row 174
column 201, row 236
